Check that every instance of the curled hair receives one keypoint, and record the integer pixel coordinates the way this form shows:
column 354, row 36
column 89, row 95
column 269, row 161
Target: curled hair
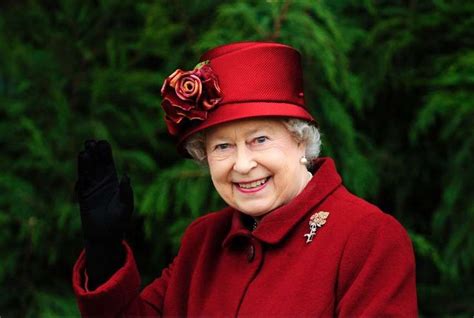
column 306, row 133
column 301, row 130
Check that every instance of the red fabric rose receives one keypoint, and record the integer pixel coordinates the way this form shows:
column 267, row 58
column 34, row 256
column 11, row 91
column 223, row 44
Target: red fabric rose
column 189, row 95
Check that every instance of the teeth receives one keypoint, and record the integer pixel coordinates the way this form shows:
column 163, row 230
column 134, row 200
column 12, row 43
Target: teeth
column 252, row 184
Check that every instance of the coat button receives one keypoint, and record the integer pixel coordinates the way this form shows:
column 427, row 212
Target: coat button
column 251, row 253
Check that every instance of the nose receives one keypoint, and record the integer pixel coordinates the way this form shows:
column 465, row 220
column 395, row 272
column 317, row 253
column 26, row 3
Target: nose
column 244, row 160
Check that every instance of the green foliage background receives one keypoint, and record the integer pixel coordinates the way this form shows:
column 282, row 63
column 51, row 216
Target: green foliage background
column 391, row 83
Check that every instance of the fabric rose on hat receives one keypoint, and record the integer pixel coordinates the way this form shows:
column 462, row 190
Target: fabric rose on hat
column 189, row 95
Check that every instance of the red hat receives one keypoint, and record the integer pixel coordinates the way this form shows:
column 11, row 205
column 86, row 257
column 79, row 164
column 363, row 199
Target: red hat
column 235, row 81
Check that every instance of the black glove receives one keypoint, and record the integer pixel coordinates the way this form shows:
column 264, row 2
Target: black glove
column 106, row 207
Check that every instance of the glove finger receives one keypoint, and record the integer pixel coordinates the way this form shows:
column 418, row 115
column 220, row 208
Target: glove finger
column 126, row 195
column 104, row 151
column 95, row 168
column 84, row 171
column 89, row 144
column 84, row 164
column 93, row 150
column 104, row 162
column 101, row 159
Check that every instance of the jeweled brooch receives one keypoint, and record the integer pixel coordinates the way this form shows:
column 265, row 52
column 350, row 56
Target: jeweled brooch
column 318, row 219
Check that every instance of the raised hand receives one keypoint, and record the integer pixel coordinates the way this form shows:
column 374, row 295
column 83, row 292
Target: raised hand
column 106, row 207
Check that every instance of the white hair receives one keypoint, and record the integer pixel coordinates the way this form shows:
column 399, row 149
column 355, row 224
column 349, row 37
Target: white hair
column 301, row 130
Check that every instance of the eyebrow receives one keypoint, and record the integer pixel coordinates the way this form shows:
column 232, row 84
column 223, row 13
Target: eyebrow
column 262, row 127
column 220, row 138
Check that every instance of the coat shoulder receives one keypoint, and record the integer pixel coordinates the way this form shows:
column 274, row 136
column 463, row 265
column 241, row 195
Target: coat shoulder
column 354, row 211
column 214, row 224
column 352, row 206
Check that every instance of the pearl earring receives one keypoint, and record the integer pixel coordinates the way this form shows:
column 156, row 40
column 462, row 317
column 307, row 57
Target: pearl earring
column 304, row 161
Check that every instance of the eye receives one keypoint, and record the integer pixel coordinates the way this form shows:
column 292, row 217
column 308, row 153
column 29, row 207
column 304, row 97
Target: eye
column 222, row 146
column 260, row 140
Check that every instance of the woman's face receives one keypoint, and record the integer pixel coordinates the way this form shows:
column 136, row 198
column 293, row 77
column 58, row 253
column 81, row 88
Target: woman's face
column 255, row 164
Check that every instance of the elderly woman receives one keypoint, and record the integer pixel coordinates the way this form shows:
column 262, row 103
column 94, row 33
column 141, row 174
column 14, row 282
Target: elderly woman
column 292, row 242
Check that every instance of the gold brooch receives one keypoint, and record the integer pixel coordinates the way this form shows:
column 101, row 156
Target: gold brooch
column 318, row 219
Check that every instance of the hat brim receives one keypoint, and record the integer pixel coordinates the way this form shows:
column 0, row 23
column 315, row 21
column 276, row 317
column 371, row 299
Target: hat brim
column 235, row 111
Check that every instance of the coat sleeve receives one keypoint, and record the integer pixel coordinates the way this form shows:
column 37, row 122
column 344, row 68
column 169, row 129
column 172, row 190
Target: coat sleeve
column 377, row 271
column 120, row 295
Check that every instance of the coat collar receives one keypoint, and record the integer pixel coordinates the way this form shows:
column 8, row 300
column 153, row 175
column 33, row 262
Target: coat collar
column 277, row 224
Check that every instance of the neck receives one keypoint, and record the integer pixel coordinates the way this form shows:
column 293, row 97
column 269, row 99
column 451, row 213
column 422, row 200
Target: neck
column 306, row 179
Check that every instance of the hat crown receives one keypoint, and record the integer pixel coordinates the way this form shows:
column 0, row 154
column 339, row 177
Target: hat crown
column 258, row 71
column 236, row 46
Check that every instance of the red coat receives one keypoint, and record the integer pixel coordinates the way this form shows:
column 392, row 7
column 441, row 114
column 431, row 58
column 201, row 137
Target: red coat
column 360, row 263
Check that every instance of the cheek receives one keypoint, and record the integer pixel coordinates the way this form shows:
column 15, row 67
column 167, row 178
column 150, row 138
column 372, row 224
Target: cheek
column 284, row 159
column 219, row 176
column 287, row 170
column 215, row 174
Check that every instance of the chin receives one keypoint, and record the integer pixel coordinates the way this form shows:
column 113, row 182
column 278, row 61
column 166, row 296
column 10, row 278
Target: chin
column 254, row 211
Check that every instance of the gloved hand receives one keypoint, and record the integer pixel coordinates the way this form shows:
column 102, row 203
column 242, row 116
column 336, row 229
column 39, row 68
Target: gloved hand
column 106, row 207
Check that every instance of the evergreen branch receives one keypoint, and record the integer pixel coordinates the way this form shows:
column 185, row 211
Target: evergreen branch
column 278, row 21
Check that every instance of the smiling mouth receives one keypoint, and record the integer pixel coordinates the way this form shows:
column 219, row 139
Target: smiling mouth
column 253, row 185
